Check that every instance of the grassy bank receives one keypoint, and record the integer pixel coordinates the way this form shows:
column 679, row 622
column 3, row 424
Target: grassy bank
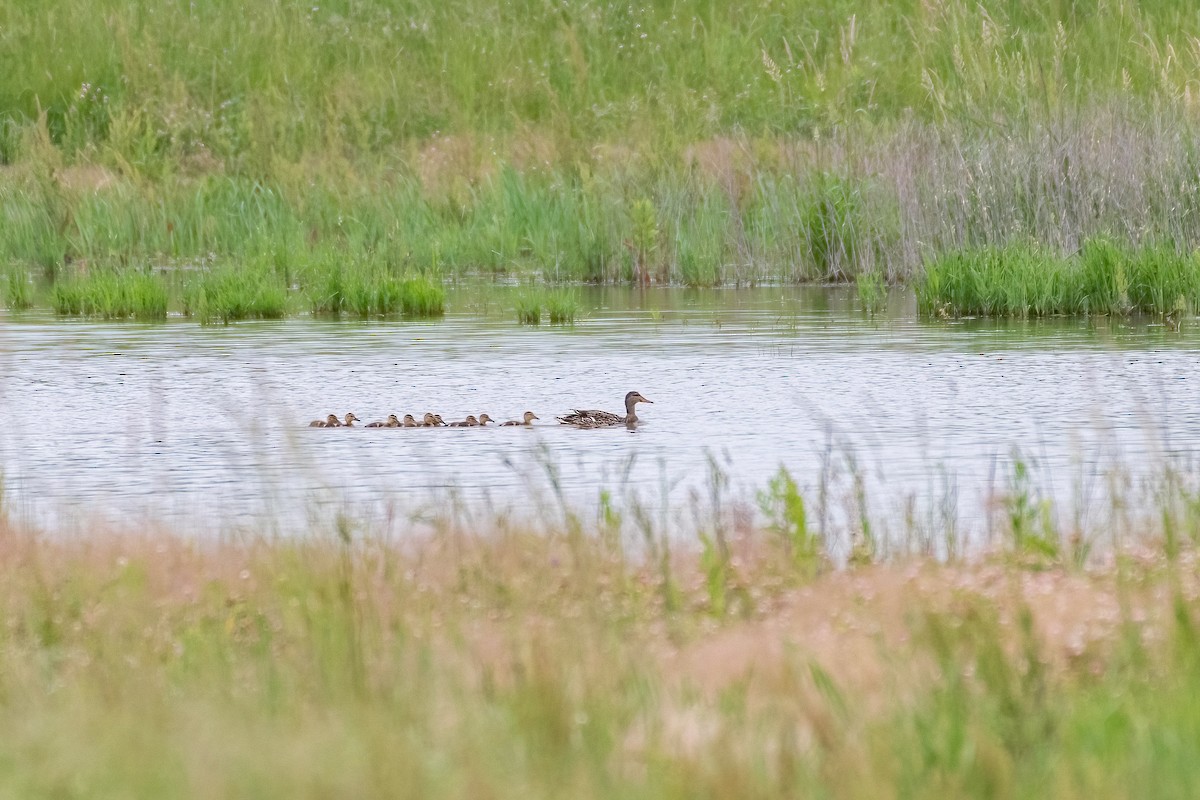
column 502, row 662
column 687, row 142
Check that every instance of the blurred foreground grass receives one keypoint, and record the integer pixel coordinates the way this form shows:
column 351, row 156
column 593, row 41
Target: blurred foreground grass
column 560, row 663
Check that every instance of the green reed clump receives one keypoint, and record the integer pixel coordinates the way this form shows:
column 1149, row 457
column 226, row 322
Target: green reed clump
column 562, row 306
column 1163, row 280
column 829, row 225
column 529, row 308
column 1102, row 278
column 364, row 286
column 872, row 291
column 422, row 297
column 111, row 294
column 1016, row 281
column 16, row 289
column 226, row 294
column 1105, row 277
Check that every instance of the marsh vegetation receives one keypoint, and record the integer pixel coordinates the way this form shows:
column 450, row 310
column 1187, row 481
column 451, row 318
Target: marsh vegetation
column 685, row 144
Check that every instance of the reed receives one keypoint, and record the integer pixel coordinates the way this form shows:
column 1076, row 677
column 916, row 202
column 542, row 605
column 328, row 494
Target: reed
column 111, row 295
column 226, row 294
column 562, row 306
column 529, row 308
column 1022, row 281
column 607, row 144
column 15, row 289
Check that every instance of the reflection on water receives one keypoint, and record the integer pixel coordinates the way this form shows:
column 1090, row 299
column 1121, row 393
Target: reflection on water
column 208, row 426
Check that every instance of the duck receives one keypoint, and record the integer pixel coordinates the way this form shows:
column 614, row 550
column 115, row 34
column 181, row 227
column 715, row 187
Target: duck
column 329, row 422
column 527, row 419
column 603, row 419
column 409, row 422
column 438, row 419
column 349, row 421
column 430, row 420
column 484, row 419
column 392, row 422
column 469, row 422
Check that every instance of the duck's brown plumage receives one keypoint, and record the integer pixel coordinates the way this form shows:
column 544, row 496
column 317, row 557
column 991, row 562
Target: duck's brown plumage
column 591, row 418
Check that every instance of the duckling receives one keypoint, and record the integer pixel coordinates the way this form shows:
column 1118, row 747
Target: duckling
column 469, row 422
column 431, row 421
column 350, row 420
column 604, row 419
column 526, row 420
column 329, row 422
column 392, row 422
column 484, row 419
column 438, row 419
column 409, row 422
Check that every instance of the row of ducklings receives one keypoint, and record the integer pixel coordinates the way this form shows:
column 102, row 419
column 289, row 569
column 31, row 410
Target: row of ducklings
column 409, row 421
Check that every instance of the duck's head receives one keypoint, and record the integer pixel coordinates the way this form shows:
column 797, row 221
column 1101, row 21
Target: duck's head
column 529, row 417
column 332, row 421
column 430, row 419
column 484, row 419
column 437, row 419
column 351, row 418
column 633, row 398
column 408, row 420
column 470, row 420
column 393, row 419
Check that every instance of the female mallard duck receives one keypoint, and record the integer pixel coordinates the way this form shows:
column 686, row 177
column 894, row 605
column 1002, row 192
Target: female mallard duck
column 603, row 419
column 392, row 422
column 409, row 422
column 484, row 419
column 329, row 422
column 525, row 420
column 349, row 421
column 438, row 419
column 469, row 422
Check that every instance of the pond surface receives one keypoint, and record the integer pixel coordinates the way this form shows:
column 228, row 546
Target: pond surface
column 206, row 427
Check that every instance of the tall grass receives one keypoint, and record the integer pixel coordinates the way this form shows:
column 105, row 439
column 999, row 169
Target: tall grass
column 1102, row 278
column 111, row 295
column 227, row 294
column 692, row 143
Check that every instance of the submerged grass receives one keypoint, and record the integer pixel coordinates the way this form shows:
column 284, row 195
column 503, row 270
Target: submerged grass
column 509, row 661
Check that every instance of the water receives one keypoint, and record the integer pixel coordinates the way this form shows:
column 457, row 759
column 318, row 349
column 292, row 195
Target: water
column 206, row 427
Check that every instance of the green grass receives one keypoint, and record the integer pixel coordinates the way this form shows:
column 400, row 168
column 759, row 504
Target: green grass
column 529, row 308
column 560, row 306
column 15, row 289
column 563, row 306
column 111, row 295
column 227, row 294
column 1102, row 278
column 690, row 143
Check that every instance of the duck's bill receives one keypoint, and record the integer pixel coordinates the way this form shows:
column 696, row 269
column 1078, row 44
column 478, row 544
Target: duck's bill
column 645, row 400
